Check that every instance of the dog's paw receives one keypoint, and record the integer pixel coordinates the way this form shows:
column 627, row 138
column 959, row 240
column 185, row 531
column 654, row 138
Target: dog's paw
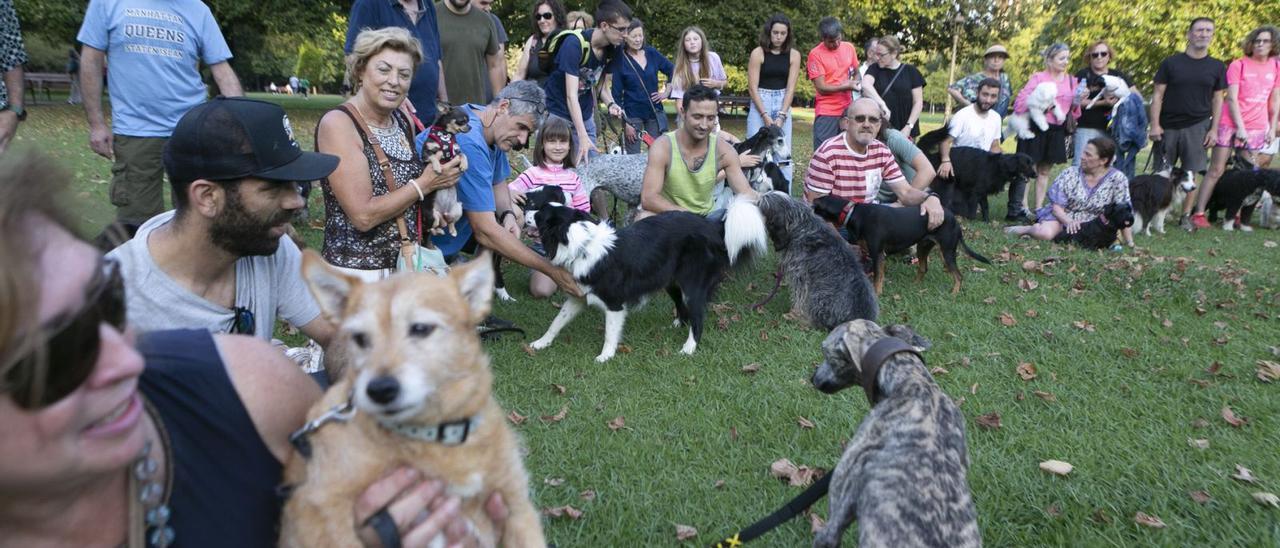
column 1246, row 228
column 502, row 294
column 540, row 343
column 689, row 347
column 603, row 357
column 676, row 324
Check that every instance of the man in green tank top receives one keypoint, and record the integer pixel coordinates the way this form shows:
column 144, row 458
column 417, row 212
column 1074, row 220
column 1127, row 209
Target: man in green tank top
column 681, row 174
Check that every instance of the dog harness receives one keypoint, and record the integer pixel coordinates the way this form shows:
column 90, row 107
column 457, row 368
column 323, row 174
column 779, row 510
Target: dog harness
column 875, row 357
column 448, row 142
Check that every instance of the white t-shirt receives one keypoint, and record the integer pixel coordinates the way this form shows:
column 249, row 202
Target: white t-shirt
column 970, row 130
column 267, row 286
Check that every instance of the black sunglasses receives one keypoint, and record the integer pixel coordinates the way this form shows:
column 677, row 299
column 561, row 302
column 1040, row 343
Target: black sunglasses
column 1100, row 54
column 864, row 119
column 71, row 345
column 545, row 16
column 242, row 322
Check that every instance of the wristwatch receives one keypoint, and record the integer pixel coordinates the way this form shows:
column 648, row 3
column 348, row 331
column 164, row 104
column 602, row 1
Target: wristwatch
column 21, row 112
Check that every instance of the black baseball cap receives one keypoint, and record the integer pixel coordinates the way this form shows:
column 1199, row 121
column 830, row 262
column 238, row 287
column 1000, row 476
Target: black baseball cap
column 232, row 138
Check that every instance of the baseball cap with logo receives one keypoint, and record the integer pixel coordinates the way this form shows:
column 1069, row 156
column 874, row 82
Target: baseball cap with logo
column 232, row 138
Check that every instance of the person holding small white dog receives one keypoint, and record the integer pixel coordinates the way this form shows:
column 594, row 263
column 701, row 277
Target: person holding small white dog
column 1095, row 114
column 1049, row 146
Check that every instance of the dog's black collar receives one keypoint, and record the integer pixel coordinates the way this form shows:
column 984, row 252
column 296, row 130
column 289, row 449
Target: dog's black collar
column 875, row 357
column 843, row 218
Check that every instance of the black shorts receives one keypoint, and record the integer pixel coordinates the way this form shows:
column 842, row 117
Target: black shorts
column 1047, row 147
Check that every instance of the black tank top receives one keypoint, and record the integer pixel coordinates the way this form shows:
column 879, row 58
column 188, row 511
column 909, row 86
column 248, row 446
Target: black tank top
column 774, row 71
column 224, row 477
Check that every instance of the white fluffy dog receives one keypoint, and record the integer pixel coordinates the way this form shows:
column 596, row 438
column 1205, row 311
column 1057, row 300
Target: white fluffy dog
column 1040, row 102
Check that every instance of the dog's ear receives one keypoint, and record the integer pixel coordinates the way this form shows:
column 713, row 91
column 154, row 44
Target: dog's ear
column 329, row 286
column 906, row 333
column 442, row 108
column 475, row 283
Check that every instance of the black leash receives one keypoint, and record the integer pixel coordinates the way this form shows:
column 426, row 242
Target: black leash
column 789, row 510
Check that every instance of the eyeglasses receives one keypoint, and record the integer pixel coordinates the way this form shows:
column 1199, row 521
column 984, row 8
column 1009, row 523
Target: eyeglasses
column 1100, row 54
column 1262, row 40
column 242, row 322
column 71, row 345
column 865, row 119
column 622, row 29
column 546, row 16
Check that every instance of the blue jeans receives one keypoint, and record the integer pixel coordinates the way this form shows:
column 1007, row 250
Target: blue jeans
column 772, row 99
column 1127, row 159
column 1081, row 138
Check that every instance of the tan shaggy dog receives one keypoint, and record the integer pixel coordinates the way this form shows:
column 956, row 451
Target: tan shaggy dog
column 415, row 365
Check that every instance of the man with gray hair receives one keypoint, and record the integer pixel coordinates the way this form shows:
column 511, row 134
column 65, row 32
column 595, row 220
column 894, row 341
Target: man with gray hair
column 503, row 125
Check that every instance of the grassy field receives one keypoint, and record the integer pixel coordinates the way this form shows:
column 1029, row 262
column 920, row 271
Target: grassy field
column 1136, row 354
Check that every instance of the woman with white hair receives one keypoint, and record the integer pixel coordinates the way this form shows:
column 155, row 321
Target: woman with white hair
column 1048, row 147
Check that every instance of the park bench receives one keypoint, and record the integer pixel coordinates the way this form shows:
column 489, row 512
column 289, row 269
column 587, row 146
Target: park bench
column 37, row 82
column 730, row 103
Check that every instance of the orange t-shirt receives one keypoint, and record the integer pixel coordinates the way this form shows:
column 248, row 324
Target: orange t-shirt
column 833, row 66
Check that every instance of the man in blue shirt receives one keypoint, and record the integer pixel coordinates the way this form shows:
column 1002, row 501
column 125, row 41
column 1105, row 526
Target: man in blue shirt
column 156, row 48
column 571, row 77
column 419, row 18
column 505, row 124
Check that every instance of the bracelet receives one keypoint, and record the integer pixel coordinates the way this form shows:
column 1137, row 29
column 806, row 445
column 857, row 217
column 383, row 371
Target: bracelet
column 503, row 216
column 421, row 196
column 944, row 162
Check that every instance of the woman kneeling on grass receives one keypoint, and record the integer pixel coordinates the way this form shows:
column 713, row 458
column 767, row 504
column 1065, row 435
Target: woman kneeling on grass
column 1080, row 194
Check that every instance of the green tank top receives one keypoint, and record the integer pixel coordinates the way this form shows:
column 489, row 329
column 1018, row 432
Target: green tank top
column 692, row 190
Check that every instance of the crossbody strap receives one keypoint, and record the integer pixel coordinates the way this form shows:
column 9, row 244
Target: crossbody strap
column 406, row 244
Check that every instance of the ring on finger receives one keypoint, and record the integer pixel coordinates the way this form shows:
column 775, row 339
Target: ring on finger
column 385, row 527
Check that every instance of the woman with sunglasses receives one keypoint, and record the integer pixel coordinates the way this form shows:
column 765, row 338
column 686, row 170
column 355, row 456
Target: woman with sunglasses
column 116, row 440
column 548, row 17
column 1093, row 121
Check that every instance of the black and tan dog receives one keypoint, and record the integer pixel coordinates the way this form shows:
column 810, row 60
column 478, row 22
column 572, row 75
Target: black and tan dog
column 1101, row 231
column 904, row 475
column 881, row 229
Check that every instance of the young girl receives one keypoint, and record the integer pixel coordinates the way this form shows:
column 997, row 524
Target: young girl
column 695, row 64
column 553, row 158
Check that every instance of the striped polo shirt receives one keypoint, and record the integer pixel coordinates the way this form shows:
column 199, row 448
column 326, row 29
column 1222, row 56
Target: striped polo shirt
column 568, row 181
column 837, row 170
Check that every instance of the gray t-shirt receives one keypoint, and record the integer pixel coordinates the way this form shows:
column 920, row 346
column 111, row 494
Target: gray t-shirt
column 904, row 152
column 268, row 286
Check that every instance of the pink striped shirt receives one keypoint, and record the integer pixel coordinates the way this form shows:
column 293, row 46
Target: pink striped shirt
column 837, row 170
column 568, row 181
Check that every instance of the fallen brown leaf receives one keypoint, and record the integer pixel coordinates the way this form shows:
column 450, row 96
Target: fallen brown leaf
column 804, row 423
column 796, row 476
column 990, row 421
column 564, row 411
column 751, row 368
column 554, row 482
column 1027, row 371
column 1007, row 320
column 1142, row 518
column 562, row 511
column 1199, row 382
column 1268, row 371
column 528, row 349
column 1199, row 423
column 1057, row 467
column 1167, row 323
column 617, row 423
column 1201, row 497
column 989, row 300
column 1244, row 474
column 816, row 523
column 1053, row 510
column 1267, row 499
column 938, row 371
column 719, row 484
column 1031, row 313
column 1129, row 352
column 624, row 349
column 1020, row 396
column 1027, row 285
column 559, row 389
column 1214, row 368
column 1198, row 443
column 1100, row 516
column 1032, row 266
column 1046, row 396
column 1085, row 325
column 516, row 418
column 1231, row 418
column 588, row 495
column 973, row 390
column 733, row 433
column 684, row 532
column 783, row 469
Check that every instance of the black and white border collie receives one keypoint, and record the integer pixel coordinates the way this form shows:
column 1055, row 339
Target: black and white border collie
column 684, row 253
column 1154, row 195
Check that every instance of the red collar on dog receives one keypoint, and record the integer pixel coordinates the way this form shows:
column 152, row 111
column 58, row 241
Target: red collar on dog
column 875, row 357
column 844, row 213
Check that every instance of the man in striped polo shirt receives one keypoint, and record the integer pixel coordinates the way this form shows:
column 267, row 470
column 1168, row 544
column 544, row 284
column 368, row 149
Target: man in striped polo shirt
column 853, row 165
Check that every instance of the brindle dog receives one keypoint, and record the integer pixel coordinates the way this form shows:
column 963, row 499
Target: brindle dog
column 903, row 475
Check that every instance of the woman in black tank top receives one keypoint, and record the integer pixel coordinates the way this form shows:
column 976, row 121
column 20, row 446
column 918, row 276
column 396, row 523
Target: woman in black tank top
column 771, row 80
column 548, row 17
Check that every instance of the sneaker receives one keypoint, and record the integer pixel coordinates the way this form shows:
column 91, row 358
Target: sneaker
column 1199, row 221
column 1020, row 216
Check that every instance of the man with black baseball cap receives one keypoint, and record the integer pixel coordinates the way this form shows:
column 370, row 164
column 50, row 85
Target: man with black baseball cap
column 222, row 259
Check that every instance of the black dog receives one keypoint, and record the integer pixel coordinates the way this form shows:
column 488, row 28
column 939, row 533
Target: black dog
column 769, row 144
column 881, row 229
column 1100, row 232
column 977, row 174
column 1155, row 195
column 1240, row 189
column 533, row 201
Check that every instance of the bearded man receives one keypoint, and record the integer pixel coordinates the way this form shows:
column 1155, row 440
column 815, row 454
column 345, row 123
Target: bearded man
column 222, row 260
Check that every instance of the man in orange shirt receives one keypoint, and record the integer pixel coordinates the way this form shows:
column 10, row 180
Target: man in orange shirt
column 833, row 68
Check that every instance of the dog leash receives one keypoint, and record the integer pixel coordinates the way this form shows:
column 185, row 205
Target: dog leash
column 782, row 515
column 301, row 439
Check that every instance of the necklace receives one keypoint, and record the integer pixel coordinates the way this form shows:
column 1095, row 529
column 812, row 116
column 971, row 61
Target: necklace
column 149, row 512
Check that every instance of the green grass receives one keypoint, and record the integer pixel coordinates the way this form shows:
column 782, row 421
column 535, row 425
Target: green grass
column 1123, row 413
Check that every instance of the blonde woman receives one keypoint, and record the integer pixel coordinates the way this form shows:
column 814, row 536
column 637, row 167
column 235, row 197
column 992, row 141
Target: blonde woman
column 695, row 64
column 361, row 206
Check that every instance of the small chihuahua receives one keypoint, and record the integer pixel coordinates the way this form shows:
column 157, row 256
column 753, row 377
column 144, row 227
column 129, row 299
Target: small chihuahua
column 441, row 146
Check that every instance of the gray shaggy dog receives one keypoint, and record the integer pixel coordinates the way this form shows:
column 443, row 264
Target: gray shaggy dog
column 904, row 475
column 828, row 284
